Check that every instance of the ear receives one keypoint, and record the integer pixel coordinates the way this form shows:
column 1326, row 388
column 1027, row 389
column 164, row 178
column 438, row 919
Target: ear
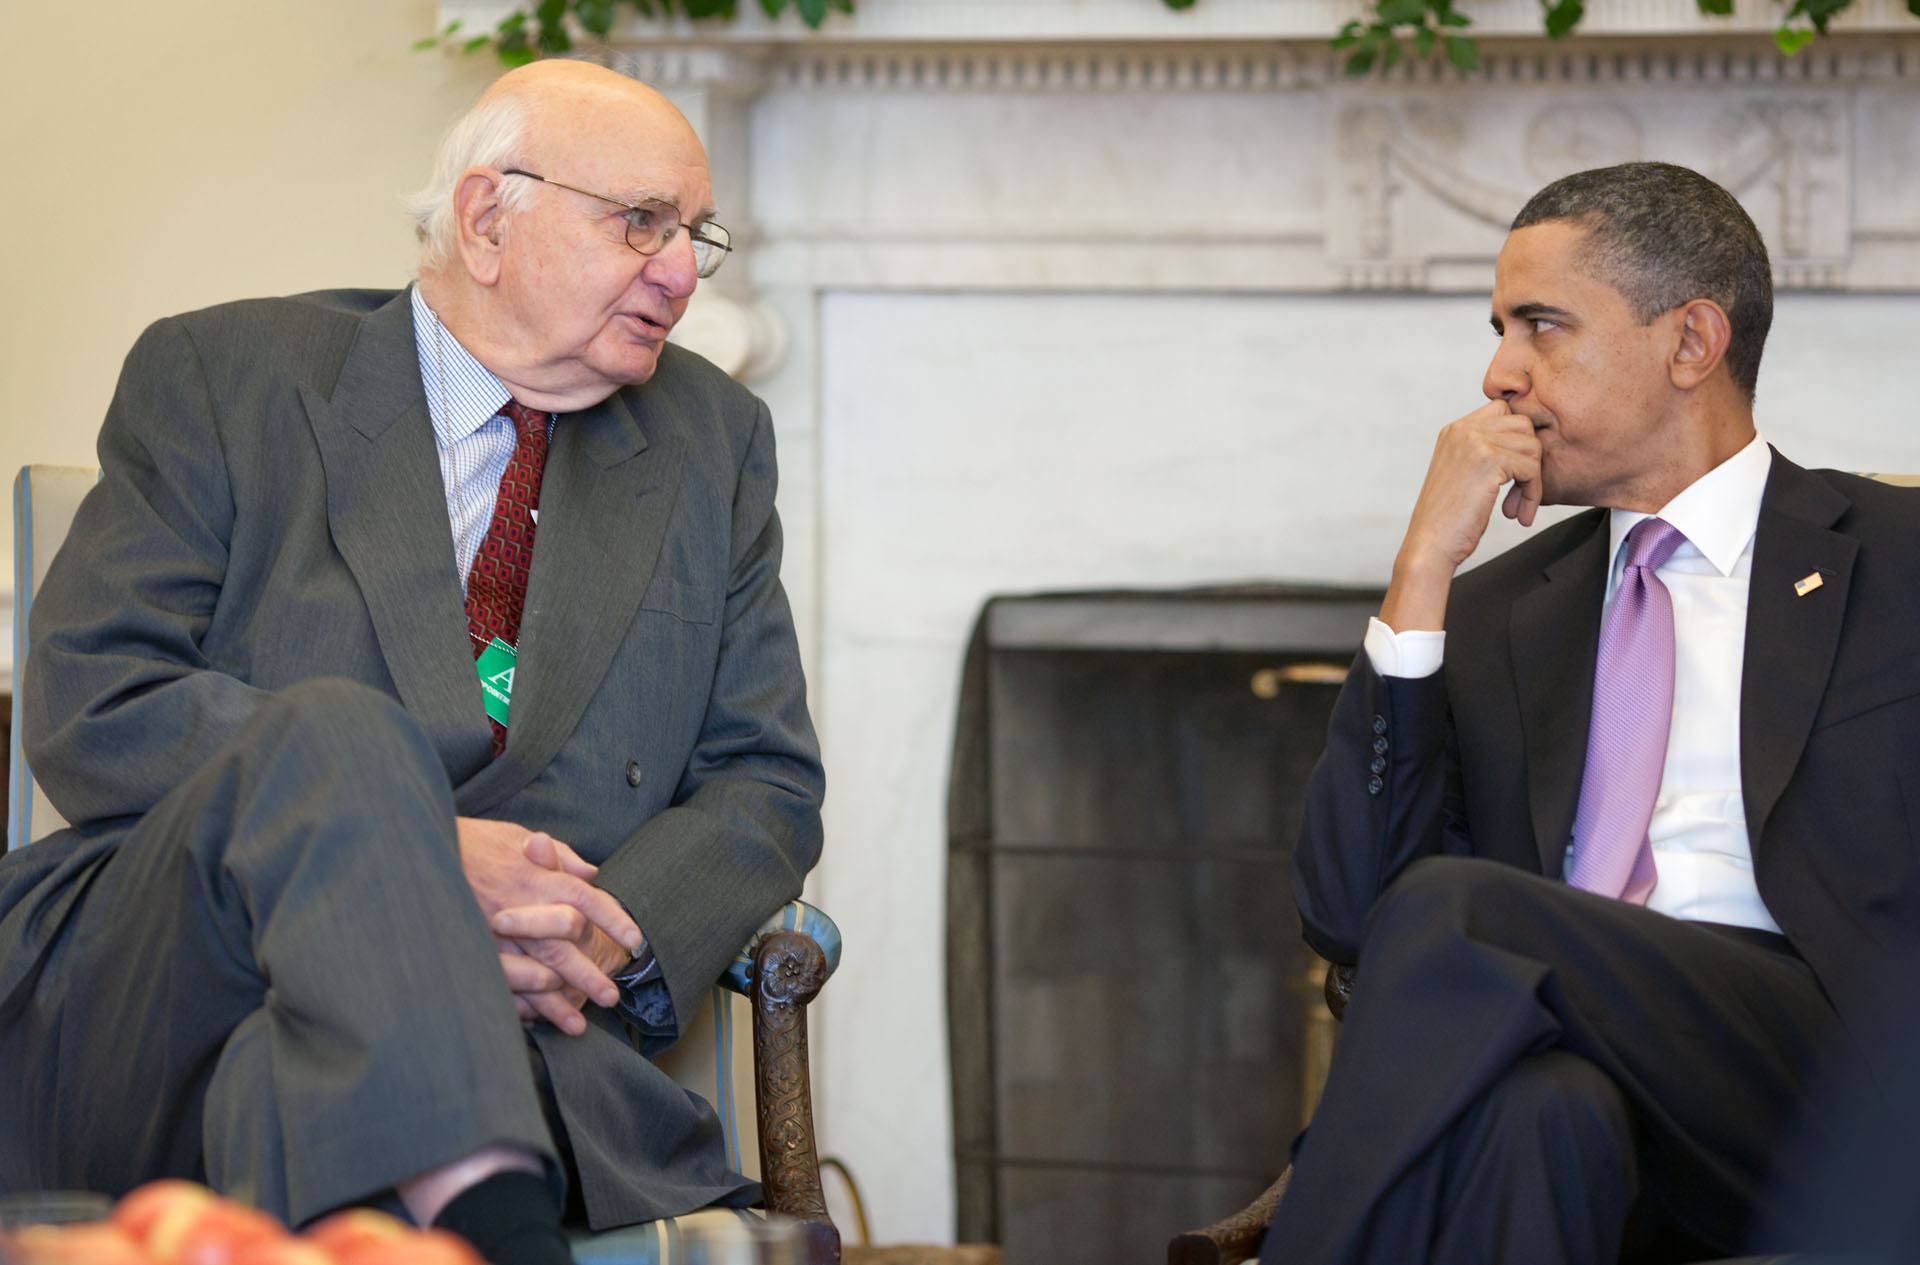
column 479, row 223
column 1704, row 334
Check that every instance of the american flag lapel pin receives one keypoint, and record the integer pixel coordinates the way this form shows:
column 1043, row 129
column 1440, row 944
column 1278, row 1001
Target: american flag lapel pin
column 1807, row 584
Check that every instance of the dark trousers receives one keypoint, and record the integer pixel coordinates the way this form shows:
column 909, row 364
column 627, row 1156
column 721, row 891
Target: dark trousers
column 1531, row 1074
column 278, row 982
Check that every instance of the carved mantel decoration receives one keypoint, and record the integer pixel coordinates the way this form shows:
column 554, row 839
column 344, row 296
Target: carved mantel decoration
column 1400, row 181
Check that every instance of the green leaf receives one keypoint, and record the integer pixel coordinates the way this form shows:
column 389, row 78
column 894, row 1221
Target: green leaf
column 812, row 12
column 1451, row 18
column 1819, row 11
column 475, row 44
column 554, row 40
column 1913, row 7
column 1392, row 57
column 1188, row 4
column 1423, row 41
column 594, row 15
column 438, row 38
column 1562, row 16
column 1463, row 52
column 1400, row 12
column 1360, row 62
column 1791, row 40
column 510, row 40
column 773, row 7
column 550, row 12
column 1717, row 8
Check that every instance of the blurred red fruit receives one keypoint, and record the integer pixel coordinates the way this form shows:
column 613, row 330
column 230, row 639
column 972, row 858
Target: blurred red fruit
column 419, row 1247
column 97, row 1244
column 219, row 1233
column 344, row 1234
column 160, row 1210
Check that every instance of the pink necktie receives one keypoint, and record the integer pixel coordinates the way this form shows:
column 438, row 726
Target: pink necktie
column 497, row 581
column 1632, row 713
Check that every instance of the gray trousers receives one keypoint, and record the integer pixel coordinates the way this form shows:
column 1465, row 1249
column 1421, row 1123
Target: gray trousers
column 278, row 982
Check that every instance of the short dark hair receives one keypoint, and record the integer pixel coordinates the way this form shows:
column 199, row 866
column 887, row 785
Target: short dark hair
column 1662, row 236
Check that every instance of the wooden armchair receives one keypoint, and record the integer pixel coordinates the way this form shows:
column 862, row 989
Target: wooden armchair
column 766, row 988
column 1237, row 1238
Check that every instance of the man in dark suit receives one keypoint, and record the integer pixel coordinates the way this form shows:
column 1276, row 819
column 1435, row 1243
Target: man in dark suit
column 421, row 688
column 1615, row 825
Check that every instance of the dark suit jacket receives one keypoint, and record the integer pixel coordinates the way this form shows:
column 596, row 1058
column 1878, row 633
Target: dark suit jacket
column 272, row 511
column 1485, row 757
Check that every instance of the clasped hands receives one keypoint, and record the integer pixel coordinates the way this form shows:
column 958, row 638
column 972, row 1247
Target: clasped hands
column 560, row 938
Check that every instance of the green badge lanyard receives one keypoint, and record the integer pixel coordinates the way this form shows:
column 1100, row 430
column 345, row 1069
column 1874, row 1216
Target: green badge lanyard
column 495, row 666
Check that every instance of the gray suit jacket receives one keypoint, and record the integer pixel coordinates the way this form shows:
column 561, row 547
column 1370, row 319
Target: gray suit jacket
column 272, row 511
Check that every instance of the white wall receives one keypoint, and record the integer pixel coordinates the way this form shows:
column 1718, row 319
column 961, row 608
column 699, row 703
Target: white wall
column 162, row 157
column 975, row 445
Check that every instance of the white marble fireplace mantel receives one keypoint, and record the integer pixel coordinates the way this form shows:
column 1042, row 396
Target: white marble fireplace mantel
column 982, row 144
column 1051, row 294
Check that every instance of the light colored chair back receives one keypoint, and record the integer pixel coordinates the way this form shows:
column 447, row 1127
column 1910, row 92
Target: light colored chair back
column 44, row 501
column 714, row 1056
column 714, row 1059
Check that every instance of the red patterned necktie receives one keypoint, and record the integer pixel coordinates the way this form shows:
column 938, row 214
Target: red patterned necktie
column 497, row 581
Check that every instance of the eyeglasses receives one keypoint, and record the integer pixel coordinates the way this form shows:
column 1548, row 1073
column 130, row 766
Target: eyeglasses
column 651, row 225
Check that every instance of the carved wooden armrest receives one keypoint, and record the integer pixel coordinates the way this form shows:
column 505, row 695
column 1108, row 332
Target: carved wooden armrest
column 1233, row 1240
column 788, row 971
column 1238, row 1237
column 1339, row 989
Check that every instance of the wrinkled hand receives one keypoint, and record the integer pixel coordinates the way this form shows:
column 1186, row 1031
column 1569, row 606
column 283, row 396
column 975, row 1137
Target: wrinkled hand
column 559, row 937
column 1473, row 459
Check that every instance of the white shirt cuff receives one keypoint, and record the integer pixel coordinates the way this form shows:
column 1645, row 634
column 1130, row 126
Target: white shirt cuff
column 1407, row 654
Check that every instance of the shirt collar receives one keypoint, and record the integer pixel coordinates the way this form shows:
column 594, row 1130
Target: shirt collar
column 1717, row 513
column 461, row 394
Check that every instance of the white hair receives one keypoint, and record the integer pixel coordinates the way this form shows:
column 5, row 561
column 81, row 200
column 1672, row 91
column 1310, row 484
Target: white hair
column 492, row 134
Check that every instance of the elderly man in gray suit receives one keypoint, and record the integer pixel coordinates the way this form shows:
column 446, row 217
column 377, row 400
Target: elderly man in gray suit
column 421, row 688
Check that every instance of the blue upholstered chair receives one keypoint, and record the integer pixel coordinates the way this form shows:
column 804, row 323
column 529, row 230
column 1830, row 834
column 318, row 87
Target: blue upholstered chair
column 745, row 1051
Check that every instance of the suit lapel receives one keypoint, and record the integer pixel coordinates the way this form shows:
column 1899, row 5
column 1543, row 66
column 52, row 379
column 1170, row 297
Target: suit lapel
column 605, row 502
column 1555, row 636
column 1791, row 639
column 386, row 509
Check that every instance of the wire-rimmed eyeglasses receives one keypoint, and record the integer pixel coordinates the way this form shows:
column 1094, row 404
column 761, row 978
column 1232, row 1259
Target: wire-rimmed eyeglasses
column 651, row 225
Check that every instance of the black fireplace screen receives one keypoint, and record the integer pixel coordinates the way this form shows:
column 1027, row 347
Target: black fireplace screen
column 1137, row 1033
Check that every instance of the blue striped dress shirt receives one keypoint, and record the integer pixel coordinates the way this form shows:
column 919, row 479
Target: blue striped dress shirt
column 475, row 442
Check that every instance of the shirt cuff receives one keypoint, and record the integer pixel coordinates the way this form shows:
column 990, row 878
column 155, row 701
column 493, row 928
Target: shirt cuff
column 1408, row 654
column 644, row 999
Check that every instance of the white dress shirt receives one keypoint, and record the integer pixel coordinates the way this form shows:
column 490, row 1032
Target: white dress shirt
column 1701, row 852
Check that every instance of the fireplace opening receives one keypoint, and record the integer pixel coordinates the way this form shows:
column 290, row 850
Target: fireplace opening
column 1136, row 1027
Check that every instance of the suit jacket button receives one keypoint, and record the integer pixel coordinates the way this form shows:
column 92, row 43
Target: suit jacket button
column 1379, row 746
column 1379, row 724
column 633, row 773
column 1379, row 764
column 1375, row 785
